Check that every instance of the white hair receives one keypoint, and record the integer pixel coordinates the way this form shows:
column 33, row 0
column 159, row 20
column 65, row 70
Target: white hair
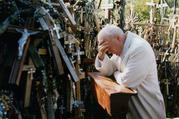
column 110, row 30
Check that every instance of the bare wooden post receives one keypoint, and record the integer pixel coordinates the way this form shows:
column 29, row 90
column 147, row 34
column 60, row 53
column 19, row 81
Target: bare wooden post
column 78, row 94
column 174, row 38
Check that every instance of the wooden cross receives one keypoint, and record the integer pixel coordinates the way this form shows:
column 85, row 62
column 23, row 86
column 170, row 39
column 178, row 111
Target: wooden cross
column 18, row 64
column 167, row 83
column 107, row 6
column 162, row 6
column 151, row 4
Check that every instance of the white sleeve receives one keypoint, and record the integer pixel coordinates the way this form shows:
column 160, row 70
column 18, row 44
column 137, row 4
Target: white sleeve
column 136, row 69
column 106, row 67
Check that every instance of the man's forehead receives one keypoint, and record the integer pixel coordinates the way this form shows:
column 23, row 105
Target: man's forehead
column 105, row 38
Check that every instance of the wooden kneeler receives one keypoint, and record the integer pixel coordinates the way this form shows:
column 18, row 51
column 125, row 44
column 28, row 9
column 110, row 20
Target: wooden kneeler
column 111, row 96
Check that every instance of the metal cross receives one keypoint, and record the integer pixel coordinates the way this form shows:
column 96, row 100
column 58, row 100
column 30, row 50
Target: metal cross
column 31, row 71
column 62, row 108
column 57, row 28
column 78, row 53
column 167, row 83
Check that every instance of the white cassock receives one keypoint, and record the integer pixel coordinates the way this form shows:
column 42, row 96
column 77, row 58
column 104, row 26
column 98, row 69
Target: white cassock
column 136, row 68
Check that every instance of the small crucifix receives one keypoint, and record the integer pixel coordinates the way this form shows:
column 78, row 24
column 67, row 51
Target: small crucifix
column 61, row 109
column 167, row 83
column 31, row 72
column 57, row 28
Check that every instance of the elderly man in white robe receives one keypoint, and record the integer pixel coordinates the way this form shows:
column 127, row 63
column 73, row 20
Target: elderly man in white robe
column 133, row 65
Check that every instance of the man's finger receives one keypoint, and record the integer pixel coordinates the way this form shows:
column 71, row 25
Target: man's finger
column 103, row 48
column 99, row 46
column 102, row 42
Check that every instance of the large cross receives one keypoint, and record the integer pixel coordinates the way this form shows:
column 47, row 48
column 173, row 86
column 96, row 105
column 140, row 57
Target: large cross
column 107, row 6
column 162, row 6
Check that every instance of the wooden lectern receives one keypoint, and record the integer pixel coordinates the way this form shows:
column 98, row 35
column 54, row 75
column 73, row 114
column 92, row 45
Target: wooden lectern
column 111, row 96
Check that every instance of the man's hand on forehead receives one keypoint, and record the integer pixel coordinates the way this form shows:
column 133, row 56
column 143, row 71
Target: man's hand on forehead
column 102, row 48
